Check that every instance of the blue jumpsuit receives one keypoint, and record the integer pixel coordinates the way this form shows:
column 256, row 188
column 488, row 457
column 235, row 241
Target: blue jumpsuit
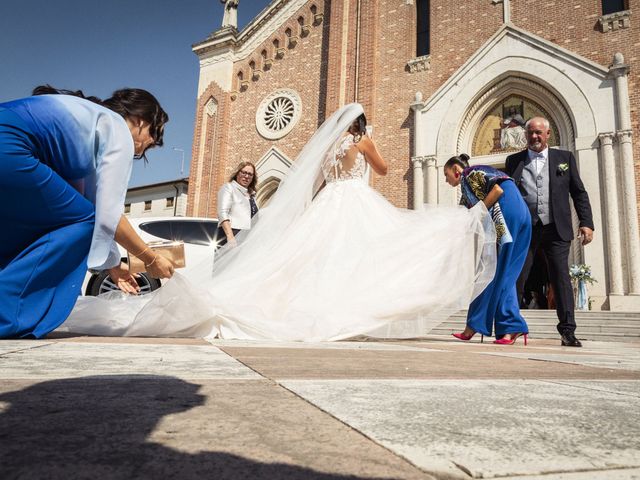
column 499, row 301
column 65, row 163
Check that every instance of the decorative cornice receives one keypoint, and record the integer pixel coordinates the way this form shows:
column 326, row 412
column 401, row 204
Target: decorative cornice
column 419, row 64
column 256, row 32
column 615, row 21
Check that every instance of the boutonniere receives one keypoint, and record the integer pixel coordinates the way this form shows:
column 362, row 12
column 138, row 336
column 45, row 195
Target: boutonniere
column 563, row 167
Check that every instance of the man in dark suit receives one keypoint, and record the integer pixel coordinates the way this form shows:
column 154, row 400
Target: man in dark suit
column 546, row 178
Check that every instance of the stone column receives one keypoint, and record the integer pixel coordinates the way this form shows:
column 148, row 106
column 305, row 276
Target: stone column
column 418, row 150
column 418, row 182
column 612, row 222
column 432, row 180
column 629, row 204
column 630, row 211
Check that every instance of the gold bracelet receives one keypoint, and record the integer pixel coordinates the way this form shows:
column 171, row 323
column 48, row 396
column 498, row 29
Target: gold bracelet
column 152, row 262
column 138, row 254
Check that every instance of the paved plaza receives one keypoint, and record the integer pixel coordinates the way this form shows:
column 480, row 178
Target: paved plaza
column 117, row 408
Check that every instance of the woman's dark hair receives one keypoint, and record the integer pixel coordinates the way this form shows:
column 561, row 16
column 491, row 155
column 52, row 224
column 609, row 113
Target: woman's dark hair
column 462, row 160
column 128, row 102
column 360, row 124
column 252, row 188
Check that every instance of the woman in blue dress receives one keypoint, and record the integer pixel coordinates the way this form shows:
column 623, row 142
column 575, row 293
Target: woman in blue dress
column 65, row 163
column 499, row 301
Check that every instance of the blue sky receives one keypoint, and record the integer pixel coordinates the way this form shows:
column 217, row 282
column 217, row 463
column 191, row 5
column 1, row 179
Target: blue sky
column 99, row 47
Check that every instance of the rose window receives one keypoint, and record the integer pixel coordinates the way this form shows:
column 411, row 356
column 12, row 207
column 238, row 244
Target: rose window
column 278, row 113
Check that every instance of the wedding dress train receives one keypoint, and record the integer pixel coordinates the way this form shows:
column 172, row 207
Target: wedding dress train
column 344, row 263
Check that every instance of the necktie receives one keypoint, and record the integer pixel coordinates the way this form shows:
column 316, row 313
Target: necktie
column 254, row 207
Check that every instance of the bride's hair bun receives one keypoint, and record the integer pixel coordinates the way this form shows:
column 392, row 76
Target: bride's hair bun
column 464, row 158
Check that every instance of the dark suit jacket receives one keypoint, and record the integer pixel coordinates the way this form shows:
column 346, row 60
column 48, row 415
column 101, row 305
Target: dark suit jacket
column 561, row 185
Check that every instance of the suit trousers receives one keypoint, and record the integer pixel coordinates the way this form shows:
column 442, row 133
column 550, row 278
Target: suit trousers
column 556, row 251
column 499, row 301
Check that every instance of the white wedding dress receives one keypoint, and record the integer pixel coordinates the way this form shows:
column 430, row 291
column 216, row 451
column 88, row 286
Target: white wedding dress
column 342, row 264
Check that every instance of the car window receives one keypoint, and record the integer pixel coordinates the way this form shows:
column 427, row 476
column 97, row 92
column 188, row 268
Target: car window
column 197, row 232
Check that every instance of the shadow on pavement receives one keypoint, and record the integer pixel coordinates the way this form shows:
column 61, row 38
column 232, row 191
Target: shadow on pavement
column 97, row 427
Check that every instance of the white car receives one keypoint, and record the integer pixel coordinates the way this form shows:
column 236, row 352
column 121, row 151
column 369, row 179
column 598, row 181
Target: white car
column 198, row 235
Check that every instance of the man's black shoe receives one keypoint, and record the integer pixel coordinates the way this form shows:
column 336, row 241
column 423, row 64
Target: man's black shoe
column 569, row 340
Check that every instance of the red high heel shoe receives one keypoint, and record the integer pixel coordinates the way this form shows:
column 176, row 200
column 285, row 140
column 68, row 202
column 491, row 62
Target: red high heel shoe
column 512, row 340
column 466, row 338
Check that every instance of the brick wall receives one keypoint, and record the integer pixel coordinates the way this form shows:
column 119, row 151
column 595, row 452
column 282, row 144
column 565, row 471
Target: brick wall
column 300, row 70
column 573, row 24
column 374, row 72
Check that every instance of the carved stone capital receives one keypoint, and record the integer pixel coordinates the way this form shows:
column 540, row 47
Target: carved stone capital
column 431, row 161
column 423, row 161
column 280, row 53
column 419, row 64
column 625, row 136
column 606, row 139
column 418, row 162
column 255, row 75
column 615, row 21
column 317, row 18
column 293, row 41
column 305, row 30
column 267, row 64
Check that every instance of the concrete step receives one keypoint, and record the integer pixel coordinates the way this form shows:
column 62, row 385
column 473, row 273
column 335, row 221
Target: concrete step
column 602, row 326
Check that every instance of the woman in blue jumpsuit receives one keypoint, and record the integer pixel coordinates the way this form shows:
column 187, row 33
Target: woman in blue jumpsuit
column 65, row 162
column 499, row 301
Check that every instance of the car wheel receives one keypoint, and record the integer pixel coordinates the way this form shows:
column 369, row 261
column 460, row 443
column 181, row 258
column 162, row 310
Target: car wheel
column 102, row 283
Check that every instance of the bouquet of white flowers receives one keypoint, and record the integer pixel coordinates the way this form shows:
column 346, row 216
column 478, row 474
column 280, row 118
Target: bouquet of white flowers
column 581, row 272
column 580, row 276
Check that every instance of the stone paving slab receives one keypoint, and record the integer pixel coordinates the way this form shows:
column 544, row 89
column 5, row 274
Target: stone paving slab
column 488, row 429
column 9, row 346
column 62, row 360
column 161, row 427
column 287, row 363
column 365, row 344
column 613, row 361
column 622, row 474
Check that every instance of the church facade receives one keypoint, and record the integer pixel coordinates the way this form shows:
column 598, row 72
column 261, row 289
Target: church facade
column 436, row 78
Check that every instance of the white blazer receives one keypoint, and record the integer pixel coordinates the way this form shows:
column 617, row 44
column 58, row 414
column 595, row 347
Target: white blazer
column 234, row 205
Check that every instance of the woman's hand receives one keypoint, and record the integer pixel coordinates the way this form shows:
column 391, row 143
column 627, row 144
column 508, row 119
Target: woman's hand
column 123, row 278
column 493, row 196
column 160, row 267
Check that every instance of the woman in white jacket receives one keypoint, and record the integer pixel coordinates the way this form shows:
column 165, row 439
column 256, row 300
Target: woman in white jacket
column 236, row 203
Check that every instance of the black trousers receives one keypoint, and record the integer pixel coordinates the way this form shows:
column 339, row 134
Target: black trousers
column 556, row 252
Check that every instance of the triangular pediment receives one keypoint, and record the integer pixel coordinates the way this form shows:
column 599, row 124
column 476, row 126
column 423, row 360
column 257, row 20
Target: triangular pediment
column 512, row 41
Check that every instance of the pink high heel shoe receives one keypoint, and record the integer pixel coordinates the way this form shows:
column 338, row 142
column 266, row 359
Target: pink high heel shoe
column 466, row 338
column 512, row 340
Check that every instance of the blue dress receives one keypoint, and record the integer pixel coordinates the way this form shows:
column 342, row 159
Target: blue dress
column 65, row 163
column 499, row 301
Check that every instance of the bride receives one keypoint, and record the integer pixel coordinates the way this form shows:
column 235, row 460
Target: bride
column 329, row 259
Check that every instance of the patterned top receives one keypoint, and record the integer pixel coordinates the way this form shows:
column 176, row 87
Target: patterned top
column 476, row 184
column 332, row 168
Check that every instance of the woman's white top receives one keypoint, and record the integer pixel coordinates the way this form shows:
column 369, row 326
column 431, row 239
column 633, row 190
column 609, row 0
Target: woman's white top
column 234, row 205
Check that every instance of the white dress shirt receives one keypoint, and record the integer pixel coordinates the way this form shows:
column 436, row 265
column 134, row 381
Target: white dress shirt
column 539, row 159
